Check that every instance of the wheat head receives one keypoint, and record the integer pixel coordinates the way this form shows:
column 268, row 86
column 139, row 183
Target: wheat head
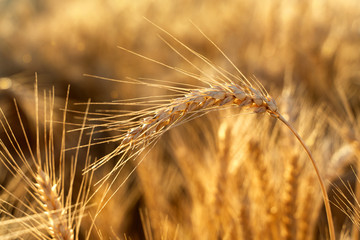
column 58, row 227
column 49, row 208
column 245, row 97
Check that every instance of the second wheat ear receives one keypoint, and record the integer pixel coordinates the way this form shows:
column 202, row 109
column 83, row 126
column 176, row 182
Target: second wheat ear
column 223, row 90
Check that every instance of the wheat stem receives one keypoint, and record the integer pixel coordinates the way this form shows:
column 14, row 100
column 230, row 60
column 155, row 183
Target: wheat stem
column 322, row 185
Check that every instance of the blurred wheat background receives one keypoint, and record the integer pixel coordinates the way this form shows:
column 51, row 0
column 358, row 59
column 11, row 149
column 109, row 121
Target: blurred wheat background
column 224, row 175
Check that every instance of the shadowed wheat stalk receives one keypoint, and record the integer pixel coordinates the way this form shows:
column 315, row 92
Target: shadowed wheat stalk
column 223, row 90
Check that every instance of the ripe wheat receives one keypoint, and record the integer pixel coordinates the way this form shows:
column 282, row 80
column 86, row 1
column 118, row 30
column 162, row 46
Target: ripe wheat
column 42, row 176
column 224, row 89
column 51, row 203
column 201, row 100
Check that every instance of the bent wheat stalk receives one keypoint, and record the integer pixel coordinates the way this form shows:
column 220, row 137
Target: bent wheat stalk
column 225, row 89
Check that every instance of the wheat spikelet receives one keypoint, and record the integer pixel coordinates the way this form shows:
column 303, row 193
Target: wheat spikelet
column 58, row 227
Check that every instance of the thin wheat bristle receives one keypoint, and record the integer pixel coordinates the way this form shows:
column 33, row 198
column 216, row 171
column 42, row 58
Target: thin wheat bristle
column 58, row 227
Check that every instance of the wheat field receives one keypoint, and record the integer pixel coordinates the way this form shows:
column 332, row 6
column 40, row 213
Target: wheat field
column 179, row 120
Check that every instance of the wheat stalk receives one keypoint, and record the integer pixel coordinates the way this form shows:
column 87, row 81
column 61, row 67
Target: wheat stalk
column 225, row 89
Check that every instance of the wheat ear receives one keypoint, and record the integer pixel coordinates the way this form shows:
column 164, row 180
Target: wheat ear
column 200, row 100
column 224, row 89
column 195, row 101
column 289, row 198
column 56, row 214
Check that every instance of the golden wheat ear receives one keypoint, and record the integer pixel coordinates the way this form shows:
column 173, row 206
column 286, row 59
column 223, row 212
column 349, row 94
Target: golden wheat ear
column 46, row 211
column 223, row 90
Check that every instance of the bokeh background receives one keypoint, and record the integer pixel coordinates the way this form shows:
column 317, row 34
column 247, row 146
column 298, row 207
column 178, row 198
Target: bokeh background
column 314, row 42
column 310, row 46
